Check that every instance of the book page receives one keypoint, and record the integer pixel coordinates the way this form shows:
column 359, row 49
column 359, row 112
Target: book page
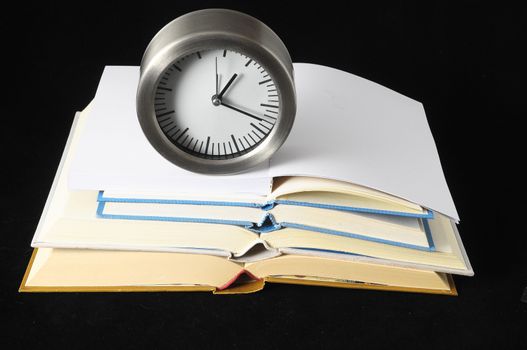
column 449, row 257
column 100, row 268
column 114, row 154
column 347, row 270
column 354, row 130
column 295, row 185
column 388, row 229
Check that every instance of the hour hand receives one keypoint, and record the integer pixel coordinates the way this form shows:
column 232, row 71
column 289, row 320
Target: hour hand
column 231, row 80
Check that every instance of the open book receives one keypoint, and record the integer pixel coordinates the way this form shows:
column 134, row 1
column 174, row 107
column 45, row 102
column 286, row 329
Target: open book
column 71, row 270
column 357, row 187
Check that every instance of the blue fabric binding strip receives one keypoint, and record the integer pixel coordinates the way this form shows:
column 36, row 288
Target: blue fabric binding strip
column 362, row 237
column 102, row 215
column 329, row 251
column 428, row 233
column 266, row 206
column 102, row 198
column 267, row 224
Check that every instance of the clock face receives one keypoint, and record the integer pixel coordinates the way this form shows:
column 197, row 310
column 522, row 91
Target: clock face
column 216, row 104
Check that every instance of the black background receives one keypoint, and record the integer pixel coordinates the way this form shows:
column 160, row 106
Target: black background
column 461, row 61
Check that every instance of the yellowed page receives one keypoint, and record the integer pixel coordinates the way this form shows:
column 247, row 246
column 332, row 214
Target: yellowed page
column 103, row 268
column 451, row 257
column 352, row 271
column 312, row 189
column 404, row 230
column 100, row 268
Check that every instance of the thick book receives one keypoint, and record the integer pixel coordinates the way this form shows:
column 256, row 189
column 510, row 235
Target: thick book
column 71, row 270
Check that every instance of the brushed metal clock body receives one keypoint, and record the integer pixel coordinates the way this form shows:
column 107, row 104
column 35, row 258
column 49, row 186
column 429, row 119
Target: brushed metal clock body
column 206, row 30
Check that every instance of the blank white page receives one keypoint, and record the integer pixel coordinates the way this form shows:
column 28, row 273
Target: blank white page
column 351, row 129
column 114, row 154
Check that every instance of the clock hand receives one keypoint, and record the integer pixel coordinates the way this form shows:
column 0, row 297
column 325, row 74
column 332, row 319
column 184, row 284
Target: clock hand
column 239, row 110
column 217, row 76
column 219, row 97
column 227, row 86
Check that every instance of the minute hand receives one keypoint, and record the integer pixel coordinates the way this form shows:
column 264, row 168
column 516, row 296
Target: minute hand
column 240, row 111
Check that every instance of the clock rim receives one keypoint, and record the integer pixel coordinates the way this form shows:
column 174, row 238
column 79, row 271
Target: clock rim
column 157, row 61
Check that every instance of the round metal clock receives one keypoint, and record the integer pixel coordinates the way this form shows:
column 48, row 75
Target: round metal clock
column 216, row 93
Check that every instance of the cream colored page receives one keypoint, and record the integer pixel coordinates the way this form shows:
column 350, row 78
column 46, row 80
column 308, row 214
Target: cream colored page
column 348, row 270
column 79, row 228
column 144, row 236
column 99, row 268
column 312, row 240
column 347, row 200
column 399, row 229
column 41, row 257
column 306, row 239
column 288, row 186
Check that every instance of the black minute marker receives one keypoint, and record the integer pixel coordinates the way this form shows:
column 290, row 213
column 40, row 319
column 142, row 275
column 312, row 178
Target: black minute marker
column 264, row 126
column 235, row 144
column 245, row 138
column 257, row 128
column 207, row 147
column 170, row 129
column 163, row 114
column 267, row 105
column 183, row 133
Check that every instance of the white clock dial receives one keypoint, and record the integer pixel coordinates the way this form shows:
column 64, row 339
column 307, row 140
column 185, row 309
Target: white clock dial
column 216, row 104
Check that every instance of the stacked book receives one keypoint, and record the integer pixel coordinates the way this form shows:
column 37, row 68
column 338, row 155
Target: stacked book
column 355, row 198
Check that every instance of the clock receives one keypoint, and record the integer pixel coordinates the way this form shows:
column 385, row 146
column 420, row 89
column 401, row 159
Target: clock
column 216, row 92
